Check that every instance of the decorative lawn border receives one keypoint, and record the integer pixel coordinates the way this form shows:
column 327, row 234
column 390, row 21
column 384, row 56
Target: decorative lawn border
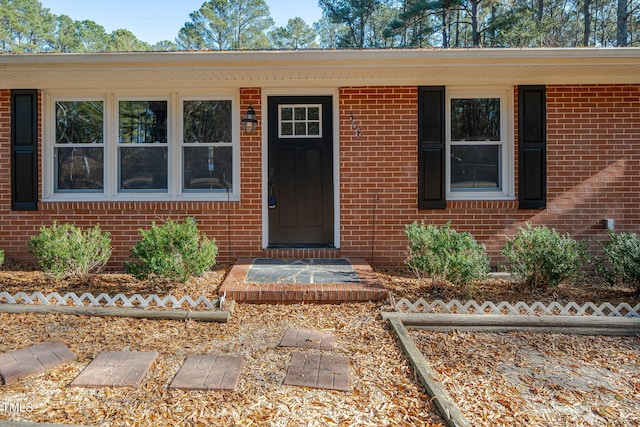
column 120, row 305
column 567, row 324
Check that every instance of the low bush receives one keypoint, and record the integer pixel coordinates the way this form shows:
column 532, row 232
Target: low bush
column 173, row 251
column 443, row 253
column 620, row 263
column 542, row 257
column 1, row 257
column 65, row 251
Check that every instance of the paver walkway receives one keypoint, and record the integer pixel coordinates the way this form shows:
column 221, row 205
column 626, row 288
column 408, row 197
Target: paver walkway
column 307, row 338
column 33, row 360
column 209, row 372
column 116, row 369
column 318, row 371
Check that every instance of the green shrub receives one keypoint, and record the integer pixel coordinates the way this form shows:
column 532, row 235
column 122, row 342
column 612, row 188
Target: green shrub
column 443, row 253
column 172, row 251
column 68, row 251
column 620, row 262
column 542, row 257
column 1, row 257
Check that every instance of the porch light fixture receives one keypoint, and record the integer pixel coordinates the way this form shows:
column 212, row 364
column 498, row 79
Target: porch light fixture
column 250, row 123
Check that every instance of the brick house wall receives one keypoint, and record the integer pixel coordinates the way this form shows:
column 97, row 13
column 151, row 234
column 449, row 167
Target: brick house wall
column 593, row 164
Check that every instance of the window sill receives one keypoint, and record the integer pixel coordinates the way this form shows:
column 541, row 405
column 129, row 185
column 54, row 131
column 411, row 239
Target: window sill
column 142, row 197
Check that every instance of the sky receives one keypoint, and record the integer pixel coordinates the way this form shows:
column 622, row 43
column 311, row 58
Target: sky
column 155, row 20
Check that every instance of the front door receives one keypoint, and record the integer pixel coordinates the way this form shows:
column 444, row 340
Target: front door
column 300, row 171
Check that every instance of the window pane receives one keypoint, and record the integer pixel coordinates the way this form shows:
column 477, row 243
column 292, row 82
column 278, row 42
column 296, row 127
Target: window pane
column 314, row 113
column 475, row 167
column 287, row 128
column 79, row 168
column 301, row 113
column 475, row 119
column 314, row 128
column 207, row 168
column 286, row 113
column 207, row 121
column 143, row 168
column 143, row 122
column 79, row 122
column 301, row 128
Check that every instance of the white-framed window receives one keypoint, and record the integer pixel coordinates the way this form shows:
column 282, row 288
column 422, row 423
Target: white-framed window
column 206, row 145
column 133, row 146
column 78, row 145
column 300, row 121
column 480, row 152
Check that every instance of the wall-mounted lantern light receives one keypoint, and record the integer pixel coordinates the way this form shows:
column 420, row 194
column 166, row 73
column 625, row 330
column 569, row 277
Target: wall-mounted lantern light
column 250, row 123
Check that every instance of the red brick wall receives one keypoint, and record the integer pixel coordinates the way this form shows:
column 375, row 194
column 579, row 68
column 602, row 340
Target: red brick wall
column 593, row 173
column 593, row 170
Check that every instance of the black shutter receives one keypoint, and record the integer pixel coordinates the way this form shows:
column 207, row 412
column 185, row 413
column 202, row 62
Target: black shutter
column 431, row 148
column 532, row 151
column 24, row 149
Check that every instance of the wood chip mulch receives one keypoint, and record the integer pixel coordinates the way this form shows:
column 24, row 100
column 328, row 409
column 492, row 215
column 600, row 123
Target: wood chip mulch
column 384, row 389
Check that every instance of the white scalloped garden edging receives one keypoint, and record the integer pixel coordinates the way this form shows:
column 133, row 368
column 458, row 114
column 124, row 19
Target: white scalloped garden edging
column 519, row 308
column 104, row 300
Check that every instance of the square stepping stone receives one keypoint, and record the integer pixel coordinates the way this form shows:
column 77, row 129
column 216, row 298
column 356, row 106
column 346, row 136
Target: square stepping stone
column 116, row 369
column 318, row 371
column 33, row 360
column 209, row 372
column 307, row 338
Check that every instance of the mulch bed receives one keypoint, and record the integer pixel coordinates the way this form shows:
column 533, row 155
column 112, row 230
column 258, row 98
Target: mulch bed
column 384, row 390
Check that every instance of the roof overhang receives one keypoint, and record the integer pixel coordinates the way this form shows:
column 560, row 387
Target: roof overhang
column 321, row 68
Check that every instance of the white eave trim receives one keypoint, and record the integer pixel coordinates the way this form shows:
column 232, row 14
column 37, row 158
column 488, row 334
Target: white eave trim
column 323, row 68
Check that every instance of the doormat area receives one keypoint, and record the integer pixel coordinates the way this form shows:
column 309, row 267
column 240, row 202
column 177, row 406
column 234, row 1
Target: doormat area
column 305, row 280
column 309, row 271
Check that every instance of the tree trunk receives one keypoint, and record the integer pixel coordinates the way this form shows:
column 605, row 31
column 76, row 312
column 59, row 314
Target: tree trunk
column 621, row 34
column 586, row 11
column 475, row 34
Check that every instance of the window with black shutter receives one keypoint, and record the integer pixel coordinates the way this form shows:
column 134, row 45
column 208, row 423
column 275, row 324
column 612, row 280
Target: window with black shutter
column 24, row 149
column 532, row 162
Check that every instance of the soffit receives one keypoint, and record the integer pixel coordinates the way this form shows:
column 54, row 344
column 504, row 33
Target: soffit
column 321, row 68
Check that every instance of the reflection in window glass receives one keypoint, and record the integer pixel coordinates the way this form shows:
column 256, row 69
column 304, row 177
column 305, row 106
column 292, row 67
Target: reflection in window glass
column 208, row 168
column 79, row 168
column 79, row 122
column 475, row 167
column 207, row 146
column 207, row 121
column 475, row 119
column 143, row 168
column 143, row 122
column 79, row 146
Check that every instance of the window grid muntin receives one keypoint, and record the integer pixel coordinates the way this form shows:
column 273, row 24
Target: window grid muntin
column 300, row 124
